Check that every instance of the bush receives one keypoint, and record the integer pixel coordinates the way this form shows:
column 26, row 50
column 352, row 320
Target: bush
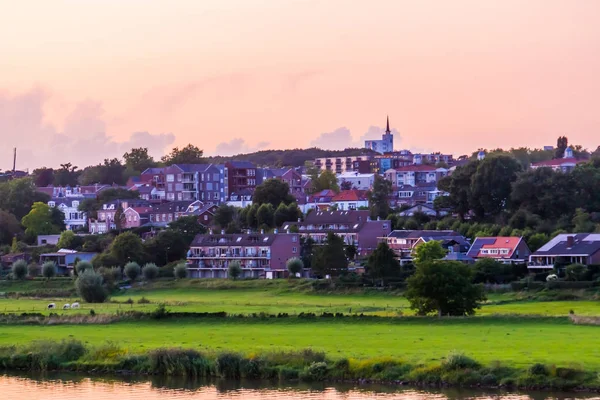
column 576, row 272
column 228, row 365
column 49, row 269
column 234, row 271
column 33, row 270
column 83, row 266
column 116, row 274
column 179, row 362
column 459, row 361
column 150, row 272
column 294, row 266
column 90, row 287
column 132, row 270
column 180, row 271
column 538, row 369
column 315, row 372
column 143, row 300
column 19, row 269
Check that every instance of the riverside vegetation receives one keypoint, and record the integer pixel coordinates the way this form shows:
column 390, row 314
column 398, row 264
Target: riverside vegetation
column 253, row 329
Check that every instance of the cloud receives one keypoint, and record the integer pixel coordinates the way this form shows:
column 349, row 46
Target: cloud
column 238, row 146
column 82, row 139
column 341, row 138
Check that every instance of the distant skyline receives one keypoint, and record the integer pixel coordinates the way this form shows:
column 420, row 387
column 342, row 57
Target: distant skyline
column 81, row 81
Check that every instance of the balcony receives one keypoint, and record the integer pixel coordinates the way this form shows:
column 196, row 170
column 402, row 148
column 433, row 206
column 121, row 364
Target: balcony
column 230, row 255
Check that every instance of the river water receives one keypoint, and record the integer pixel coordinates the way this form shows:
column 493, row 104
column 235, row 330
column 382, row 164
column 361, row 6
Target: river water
column 76, row 387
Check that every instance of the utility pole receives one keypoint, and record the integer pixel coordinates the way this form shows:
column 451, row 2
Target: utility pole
column 14, row 161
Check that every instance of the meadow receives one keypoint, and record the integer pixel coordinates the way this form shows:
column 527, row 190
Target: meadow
column 511, row 327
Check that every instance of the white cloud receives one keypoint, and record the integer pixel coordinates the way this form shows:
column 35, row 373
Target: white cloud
column 341, row 138
column 238, row 146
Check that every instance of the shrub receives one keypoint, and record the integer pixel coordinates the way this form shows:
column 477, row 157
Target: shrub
column 294, row 266
column 33, row 270
column 538, row 369
column 180, row 271
column 132, row 270
column 576, row 272
column 150, row 271
column 228, row 365
column 288, row 374
column 19, row 269
column 116, row 273
column 234, row 271
column 143, row 300
column 459, row 361
column 178, row 362
column 251, row 368
column 49, row 269
column 83, row 266
column 315, row 372
column 90, row 287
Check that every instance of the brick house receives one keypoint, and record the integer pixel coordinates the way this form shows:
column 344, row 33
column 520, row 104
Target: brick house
column 241, row 176
column 105, row 220
column 354, row 227
column 260, row 255
column 288, row 175
column 134, row 217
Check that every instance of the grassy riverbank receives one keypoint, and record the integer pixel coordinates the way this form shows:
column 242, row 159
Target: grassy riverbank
column 304, row 365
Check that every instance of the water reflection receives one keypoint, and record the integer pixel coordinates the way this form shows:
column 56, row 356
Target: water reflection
column 52, row 386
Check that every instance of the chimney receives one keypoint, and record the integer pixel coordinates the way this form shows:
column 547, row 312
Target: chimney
column 570, row 241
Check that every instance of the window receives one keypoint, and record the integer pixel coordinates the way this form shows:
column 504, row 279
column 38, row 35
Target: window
column 171, row 196
column 51, row 204
column 216, row 196
column 216, row 177
column 179, row 196
column 170, row 178
column 385, row 226
column 209, row 186
column 205, row 217
column 75, row 204
column 164, row 217
column 294, row 250
column 101, row 216
column 294, row 238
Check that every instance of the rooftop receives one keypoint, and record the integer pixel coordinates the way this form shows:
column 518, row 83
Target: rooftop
column 582, row 244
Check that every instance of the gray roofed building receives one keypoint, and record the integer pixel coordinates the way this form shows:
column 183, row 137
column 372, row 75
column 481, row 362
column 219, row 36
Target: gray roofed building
column 567, row 248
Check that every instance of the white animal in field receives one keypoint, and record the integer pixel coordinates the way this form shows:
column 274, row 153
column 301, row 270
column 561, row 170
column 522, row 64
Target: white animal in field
column 51, row 306
column 75, row 305
column 66, row 306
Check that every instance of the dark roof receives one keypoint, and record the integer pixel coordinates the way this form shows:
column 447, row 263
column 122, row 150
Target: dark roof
column 158, row 170
column 583, row 244
column 336, row 217
column 193, row 167
column 68, row 201
column 425, row 234
column 235, row 239
column 173, row 206
column 241, row 164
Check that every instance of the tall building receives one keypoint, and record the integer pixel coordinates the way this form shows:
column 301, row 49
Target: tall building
column 385, row 145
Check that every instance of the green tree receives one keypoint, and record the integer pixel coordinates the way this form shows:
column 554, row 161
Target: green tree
column 90, row 286
column 180, row 271
column 43, row 176
column 582, row 222
column 561, row 145
column 127, row 246
column 382, row 263
column 138, row 159
column 294, row 266
column 19, row 269
column 39, row 221
column 536, row 241
column 330, row 258
column 273, row 192
column 9, row 227
column 69, row 240
column 14, row 247
column 326, row 180
column 167, row 246
column 188, row 227
column 576, row 272
column 150, row 272
column 234, row 270
column 49, row 270
column 33, row 270
column 488, row 270
column 458, row 185
column 132, row 270
column 428, row 251
column 82, row 266
column 287, row 213
column 491, row 184
column 444, row 287
column 265, row 215
column 18, row 196
column 225, row 215
column 66, row 175
column 189, row 154
column 251, row 216
column 379, row 197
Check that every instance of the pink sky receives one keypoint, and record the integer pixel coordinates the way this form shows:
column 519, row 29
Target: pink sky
column 85, row 80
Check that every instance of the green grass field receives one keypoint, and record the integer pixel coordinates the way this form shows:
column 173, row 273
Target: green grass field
column 518, row 342
column 496, row 333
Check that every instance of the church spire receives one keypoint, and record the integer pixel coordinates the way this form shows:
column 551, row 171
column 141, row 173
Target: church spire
column 387, row 129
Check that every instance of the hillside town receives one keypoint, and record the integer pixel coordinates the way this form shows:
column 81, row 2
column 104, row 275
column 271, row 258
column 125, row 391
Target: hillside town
column 259, row 216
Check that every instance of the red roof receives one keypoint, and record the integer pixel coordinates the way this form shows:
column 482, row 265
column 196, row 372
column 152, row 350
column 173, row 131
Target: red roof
column 500, row 242
column 416, row 168
column 350, row 195
column 558, row 161
column 142, row 210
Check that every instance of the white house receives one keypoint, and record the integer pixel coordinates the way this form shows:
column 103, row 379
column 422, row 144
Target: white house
column 357, row 180
column 74, row 219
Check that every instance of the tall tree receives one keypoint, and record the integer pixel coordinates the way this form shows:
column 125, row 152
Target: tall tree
column 39, row 221
column 287, row 213
column 189, row 154
column 491, row 184
column 225, row 215
column 9, row 227
column 43, row 177
column 458, row 185
column 169, row 245
column 110, row 172
column 119, row 218
column 561, row 145
column 66, row 175
column 324, row 181
column 383, row 264
column 18, row 195
column 274, row 192
column 444, row 287
column 379, row 197
column 128, row 247
column 188, row 227
column 428, row 251
column 138, row 159
column 265, row 215
column 330, row 258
